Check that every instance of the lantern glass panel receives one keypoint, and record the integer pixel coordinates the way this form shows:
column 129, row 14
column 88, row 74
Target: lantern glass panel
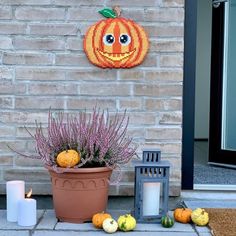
column 151, row 198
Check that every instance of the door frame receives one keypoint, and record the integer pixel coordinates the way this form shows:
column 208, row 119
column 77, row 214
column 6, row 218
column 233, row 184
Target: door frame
column 217, row 155
column 190, row 38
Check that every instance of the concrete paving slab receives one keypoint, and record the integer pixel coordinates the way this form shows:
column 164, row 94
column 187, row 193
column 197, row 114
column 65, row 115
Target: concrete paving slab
column 210, row 204
column 78, row 227
column 178, row 227
column 200, row 229
column 208, row 195
column 205, row 234
column 14, row 233
column 133, row 233
column 48, row 226
column 13, row 225
column 48, row 220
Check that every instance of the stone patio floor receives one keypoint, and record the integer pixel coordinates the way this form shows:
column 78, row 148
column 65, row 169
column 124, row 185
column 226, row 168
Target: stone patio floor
column 48, row 225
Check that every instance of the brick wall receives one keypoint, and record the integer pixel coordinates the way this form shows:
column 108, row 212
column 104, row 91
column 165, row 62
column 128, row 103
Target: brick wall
column 42, row 65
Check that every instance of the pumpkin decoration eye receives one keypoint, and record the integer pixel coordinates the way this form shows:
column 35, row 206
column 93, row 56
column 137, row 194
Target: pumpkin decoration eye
column 108, row 39
column 125, row 39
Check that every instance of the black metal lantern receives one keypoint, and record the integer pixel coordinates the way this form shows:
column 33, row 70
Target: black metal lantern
column 151, row 187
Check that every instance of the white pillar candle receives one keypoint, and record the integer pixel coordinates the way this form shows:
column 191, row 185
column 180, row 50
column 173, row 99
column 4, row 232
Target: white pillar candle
column 27, row 212
column 151, row 199
column 15, row 192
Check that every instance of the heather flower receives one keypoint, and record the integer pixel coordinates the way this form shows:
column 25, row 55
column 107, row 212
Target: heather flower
column 100, row 139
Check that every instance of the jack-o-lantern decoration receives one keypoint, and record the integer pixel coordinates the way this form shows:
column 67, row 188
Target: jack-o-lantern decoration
column 116, row 42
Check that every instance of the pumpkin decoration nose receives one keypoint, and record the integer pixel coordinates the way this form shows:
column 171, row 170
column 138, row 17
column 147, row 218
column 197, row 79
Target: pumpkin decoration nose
column 116, row 42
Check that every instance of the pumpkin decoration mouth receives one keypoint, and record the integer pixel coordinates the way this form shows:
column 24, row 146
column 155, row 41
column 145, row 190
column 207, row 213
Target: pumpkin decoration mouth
column 116, row 56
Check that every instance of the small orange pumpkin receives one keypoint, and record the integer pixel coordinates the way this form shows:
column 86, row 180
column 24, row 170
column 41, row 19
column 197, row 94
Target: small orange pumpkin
column 182, row 215
column 115, row 42
column 68, row 158
column 98, row 219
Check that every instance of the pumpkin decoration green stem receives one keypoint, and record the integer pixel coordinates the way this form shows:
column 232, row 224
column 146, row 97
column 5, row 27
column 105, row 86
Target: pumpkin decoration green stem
column 111, row 13
column 108, row 13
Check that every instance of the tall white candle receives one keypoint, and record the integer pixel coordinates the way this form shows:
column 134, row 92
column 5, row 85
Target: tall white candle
column 15, row 192
column 151, row 199
column 27, row 212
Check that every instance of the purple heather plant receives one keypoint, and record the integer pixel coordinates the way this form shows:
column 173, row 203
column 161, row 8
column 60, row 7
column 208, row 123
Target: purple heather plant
column 100, row 139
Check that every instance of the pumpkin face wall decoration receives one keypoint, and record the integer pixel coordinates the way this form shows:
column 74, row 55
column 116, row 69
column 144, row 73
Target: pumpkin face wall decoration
column 115, row 42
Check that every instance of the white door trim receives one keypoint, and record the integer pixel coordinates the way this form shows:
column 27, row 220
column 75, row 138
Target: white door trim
column 214, row 187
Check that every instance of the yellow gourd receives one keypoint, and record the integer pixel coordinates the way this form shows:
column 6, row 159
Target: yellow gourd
column 109, row 225
column 200, row 217
column 99, row 218
column 126, row 222
column 68, row 158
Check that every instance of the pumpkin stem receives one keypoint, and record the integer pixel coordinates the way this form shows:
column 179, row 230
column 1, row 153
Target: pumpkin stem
column 117, row 10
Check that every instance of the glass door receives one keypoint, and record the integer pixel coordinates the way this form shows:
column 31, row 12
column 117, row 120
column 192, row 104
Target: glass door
column 228, row 139
column 222, row 140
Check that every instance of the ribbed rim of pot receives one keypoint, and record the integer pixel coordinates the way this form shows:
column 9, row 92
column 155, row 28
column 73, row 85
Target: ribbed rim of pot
column 79, row 170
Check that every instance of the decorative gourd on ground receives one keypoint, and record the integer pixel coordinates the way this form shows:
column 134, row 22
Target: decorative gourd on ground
column 98, row 219
column 68, row 158
column 182, row 215
column 126, row 222
column 167, row 221
column 200, row 217
column 109, row 225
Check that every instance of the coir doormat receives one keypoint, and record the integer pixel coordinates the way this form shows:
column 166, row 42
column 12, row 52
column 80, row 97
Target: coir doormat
column 222, row 221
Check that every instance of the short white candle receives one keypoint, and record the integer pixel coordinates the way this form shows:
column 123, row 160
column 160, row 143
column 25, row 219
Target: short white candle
column 15, row 192
column 27, row 212
column 151, row 199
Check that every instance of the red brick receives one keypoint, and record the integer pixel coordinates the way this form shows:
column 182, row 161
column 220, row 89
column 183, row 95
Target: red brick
column 5, row 13
column 81, row 103
column 163, row 133
column 6, row 102
column 171, row 117
column 53, row 29
column 39, row 43
column 72, row 60
column 164, row 75
column 39, row 103
column 7, row 87
column 12, row 28
column 163, row 104
column 91, row 75
column 161, row 90
column 23, row 117
column 164, row 14
column 165, row 30
column 166, row 45
column 39, row 13
column 40, row 74
column 103, row 89
column 53, row 89
column 27, row 59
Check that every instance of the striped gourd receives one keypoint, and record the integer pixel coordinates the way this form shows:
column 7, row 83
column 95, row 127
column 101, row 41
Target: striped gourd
column 167, row 221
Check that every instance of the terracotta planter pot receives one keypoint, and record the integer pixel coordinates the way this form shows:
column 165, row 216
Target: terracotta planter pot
column 79, row 193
